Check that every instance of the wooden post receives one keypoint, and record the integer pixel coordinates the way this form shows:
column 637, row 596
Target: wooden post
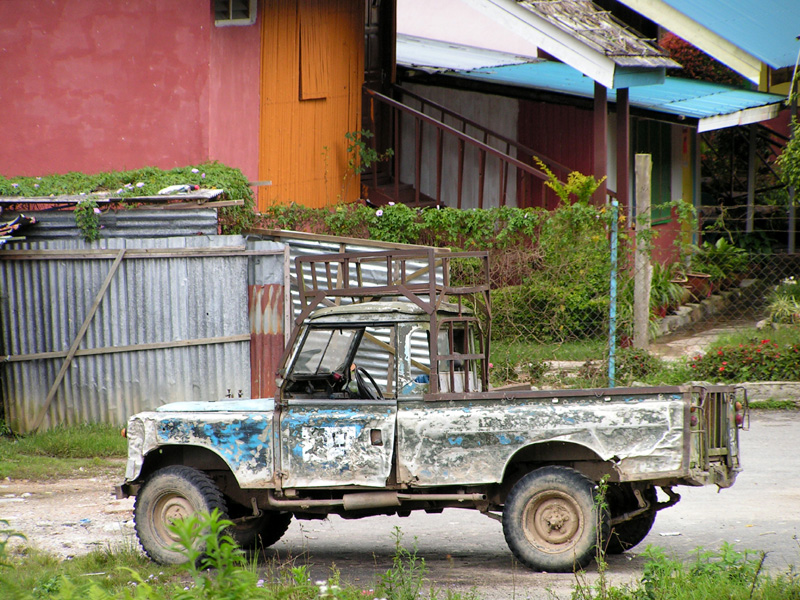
column 751, row 179
column 600, row 139
column 641, row 262
column 623, row 148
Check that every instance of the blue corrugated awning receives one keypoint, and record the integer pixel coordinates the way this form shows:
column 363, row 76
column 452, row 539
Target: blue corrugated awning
column 714, row 105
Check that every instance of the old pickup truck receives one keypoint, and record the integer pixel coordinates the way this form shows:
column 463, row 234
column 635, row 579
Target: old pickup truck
column 383, row 407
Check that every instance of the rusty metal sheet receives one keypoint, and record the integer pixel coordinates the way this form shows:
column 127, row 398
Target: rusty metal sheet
column 471, row 442
column 337, row 442
column 266, row 337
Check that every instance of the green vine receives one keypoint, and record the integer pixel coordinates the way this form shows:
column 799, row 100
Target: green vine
column 87, row 218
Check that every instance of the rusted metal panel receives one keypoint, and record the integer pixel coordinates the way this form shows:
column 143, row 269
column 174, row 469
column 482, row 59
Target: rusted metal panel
column 337, row 442
column 266, row 337
column 473, row 441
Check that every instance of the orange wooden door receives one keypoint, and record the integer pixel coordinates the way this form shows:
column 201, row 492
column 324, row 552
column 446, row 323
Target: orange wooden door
column 311, row 77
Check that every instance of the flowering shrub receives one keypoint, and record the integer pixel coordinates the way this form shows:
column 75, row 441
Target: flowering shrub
column 754, row 360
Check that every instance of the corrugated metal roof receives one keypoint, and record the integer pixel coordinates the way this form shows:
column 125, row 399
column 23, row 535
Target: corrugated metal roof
column 766, row 30
column 676, row 96
column 418, row 52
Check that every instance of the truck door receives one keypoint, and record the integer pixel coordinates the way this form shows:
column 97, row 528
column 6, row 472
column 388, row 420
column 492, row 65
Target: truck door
column 337, row 425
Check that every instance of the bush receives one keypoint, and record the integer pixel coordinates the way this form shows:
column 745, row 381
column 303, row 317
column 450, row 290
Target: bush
column 636, row 364
column 751, row 360
column 784, row 302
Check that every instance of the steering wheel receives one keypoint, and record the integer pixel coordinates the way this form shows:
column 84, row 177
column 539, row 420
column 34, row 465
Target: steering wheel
column 367, row 388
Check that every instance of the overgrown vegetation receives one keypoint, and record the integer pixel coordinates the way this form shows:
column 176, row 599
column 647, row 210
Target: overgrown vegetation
column 216, row 569
column 127, row 185
column 62, row 451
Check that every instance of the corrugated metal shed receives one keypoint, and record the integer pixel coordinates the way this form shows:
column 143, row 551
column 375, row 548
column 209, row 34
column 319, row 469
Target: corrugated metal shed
column 767, row 30
column 676, row 96
column 172, row 324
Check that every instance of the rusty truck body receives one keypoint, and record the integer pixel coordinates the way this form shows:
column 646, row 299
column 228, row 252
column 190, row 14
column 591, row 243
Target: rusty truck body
column 383, row 407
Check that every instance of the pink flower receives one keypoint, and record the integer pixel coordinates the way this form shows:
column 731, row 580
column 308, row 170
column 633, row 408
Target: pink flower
column 391, row 203
column 195, row 170
column 96, row 210
column 203, row 175
column 379, row 213
column 14, row 185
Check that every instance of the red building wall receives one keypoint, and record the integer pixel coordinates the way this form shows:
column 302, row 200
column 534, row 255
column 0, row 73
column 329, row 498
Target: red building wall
column 94, row 86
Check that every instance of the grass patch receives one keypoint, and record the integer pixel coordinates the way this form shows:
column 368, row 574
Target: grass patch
column 64, row 451
column 521, row 351
column 774, row 404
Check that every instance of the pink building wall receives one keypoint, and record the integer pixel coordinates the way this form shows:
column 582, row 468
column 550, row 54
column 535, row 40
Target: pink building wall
column 95, row 86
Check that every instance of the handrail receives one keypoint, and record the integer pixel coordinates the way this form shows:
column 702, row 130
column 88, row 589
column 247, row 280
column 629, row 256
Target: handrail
column 520, row 148
column 463, row 139
column 462, row 136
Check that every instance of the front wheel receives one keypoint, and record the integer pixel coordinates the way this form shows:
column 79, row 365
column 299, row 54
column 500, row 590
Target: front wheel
column 551, row 520
column 172, row 493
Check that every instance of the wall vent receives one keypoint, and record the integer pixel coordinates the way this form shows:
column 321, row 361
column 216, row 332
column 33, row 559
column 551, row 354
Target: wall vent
column 234, row 12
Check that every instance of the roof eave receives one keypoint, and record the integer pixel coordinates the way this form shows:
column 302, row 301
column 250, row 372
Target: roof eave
column 741, row 117
column 558, row 43
column 706, row 40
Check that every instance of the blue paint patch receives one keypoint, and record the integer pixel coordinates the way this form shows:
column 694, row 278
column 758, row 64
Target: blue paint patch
column 504, row 439
column 298, row 451
column 243, row 441
column 455, row 441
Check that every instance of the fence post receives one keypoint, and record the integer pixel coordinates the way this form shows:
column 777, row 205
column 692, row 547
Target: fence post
column 641, row 261
column 612, row 305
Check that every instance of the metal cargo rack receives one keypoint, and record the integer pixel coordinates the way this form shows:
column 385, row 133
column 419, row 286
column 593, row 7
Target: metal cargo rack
column 422, row 276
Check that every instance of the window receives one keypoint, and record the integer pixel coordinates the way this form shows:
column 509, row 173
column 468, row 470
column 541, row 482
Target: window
column 234, row 12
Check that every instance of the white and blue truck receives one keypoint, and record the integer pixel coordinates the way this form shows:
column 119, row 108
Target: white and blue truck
column 383, row 407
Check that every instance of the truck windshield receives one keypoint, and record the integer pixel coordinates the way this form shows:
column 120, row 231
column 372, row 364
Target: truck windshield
column 324, row 351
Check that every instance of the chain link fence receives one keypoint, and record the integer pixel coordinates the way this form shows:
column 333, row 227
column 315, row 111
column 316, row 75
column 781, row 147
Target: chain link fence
column 552, row 305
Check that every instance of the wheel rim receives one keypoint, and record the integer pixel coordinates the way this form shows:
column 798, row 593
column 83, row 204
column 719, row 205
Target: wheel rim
column 168, row 508
column 553, row 521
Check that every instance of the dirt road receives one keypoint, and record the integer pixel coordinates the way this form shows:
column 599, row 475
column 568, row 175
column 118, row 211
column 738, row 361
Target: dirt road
column 463, row 549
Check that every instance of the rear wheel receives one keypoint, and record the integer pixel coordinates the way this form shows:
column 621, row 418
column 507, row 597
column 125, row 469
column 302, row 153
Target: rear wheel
column 550, row 520
column 621, row 500
column 172, row 493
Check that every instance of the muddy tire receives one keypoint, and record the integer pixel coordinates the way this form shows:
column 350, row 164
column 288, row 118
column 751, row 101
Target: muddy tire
column 621, row 499
column 168, row 494
column 550, row 520
column 254, row 534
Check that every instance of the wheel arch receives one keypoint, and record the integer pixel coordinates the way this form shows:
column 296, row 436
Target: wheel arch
column 198, row 457
column 555, row 453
